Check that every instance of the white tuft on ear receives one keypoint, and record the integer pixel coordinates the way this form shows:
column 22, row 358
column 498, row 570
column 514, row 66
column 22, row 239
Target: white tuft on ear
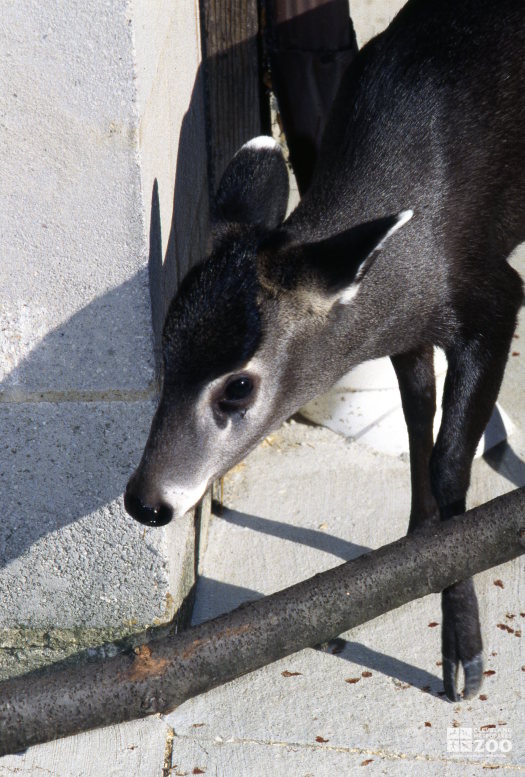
column 402, row 219
column 263, row 142
column 349, row 293
column 254, row 188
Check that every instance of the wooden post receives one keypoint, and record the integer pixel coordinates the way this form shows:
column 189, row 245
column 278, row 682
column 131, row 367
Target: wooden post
column 231, row 61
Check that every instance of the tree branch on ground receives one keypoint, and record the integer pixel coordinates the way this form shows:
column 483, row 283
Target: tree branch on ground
column 63, row 700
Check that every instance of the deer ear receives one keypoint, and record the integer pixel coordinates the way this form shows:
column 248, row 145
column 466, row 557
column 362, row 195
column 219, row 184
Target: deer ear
column 340, row 262
column 254, row 188
column 333, row 267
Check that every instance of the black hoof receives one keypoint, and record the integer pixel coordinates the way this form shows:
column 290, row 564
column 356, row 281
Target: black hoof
column 461, row 640
column 450, row 678
column 473, row 671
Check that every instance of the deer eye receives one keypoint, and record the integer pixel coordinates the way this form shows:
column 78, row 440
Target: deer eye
column 237, row 394
column 238, row 388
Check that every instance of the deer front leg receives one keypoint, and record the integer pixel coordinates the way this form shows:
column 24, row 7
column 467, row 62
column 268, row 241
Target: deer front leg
column 475, row 371
column 417, row 385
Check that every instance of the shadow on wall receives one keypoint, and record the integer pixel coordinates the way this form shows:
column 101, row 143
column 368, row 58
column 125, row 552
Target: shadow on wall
column 91, row 352
column 188, row 230
column 60, row 462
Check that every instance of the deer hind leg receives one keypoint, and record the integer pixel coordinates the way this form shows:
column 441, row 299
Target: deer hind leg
column 476, row 363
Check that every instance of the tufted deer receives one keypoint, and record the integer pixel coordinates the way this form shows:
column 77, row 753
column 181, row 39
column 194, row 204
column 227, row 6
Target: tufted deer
column 399, row 244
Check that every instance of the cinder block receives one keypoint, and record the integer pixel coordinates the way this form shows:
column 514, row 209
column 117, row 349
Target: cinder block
column 70, row 557
column 75, row 310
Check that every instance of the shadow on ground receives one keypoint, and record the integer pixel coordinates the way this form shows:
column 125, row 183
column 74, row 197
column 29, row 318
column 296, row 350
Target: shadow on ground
column 311, row 537
column 373, row 660
column 504, row 460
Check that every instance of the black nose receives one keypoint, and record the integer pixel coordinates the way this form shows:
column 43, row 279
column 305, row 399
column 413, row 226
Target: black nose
column 151, row 516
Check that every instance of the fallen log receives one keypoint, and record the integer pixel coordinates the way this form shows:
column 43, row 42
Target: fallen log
column 64, row 700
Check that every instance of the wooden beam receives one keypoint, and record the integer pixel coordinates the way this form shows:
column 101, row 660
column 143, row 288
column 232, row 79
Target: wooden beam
column 231, row 62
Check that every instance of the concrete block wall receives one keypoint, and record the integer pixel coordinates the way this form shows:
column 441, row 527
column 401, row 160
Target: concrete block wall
column 102, row 208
